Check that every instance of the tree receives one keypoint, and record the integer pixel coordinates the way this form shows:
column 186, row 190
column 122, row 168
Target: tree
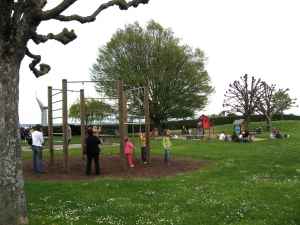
column 242, row 98
column 175, row 74
column 267, row 104
column 283, row 101
column 94, row 111
column 271, row 101
column 19, row 21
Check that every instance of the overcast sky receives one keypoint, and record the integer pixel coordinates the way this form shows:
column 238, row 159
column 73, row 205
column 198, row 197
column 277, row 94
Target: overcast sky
column 260, row 38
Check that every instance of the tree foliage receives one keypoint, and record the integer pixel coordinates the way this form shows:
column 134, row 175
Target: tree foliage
column 19, row 21
column 283, row 101
column 175, row 74
column 94, row 111
column 271, row 102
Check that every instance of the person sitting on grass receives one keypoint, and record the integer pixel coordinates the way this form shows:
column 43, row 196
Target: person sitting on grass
column 234, row 137
column 278, row 134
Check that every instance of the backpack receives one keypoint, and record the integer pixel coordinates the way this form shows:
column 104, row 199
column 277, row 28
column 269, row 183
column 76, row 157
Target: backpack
column 29, row 141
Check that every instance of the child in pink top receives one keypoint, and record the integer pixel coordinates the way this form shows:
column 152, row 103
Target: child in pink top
column 129, row 145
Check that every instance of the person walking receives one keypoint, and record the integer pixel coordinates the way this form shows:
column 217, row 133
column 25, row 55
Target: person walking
column 143, row 147
column 128, row 152
column 167, row 145
column 92, row 152
column 37, row 149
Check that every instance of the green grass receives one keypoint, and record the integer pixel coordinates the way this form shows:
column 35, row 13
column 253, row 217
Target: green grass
column 248, row 183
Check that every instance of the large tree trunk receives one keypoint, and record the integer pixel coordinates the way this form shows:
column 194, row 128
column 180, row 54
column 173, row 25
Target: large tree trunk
column 158, row 126
column 12, row 196
column 248, row 118
column 268, row 124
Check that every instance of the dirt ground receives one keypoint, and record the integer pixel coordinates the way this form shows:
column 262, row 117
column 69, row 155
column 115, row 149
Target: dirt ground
column 110, row 167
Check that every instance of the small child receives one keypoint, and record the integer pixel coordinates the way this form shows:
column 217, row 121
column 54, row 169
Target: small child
column 167, row 145
column 129, row 145
column 143, row 147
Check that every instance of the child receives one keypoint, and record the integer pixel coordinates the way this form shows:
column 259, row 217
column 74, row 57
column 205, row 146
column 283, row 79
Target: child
column 129, row 145
column 167, row 145
column 143, row 147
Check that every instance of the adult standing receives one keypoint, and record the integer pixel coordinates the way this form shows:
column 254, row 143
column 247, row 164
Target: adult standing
column 37, row 149
column 92, row 152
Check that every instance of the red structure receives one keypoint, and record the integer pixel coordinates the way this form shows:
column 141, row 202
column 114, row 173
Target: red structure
column 206, row 124
column 205, row 121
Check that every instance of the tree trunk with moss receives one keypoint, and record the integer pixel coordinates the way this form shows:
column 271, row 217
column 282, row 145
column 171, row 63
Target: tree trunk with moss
column 12, row 196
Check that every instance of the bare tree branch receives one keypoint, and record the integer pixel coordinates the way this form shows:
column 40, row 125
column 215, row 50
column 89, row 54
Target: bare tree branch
column 44, row 68
column 242, row 98
column 123, row 5
column 50, row 14
column 64, row 37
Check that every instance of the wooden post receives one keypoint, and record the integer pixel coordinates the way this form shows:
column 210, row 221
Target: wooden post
column 121, row 124
column 65, row 125
column 147, row 123
column 50, row 126
column 82, row 120
column 125, row 113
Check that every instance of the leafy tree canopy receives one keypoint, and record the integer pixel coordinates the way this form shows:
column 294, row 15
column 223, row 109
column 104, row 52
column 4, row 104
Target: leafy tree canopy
column 94, row 111
column 175, row 74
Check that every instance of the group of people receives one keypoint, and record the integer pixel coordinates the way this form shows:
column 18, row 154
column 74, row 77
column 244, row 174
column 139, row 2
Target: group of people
column 275, row 134
column 26, row 132
column 241, row 137
column 92, row 149
column 187, row 129
column 166, row 144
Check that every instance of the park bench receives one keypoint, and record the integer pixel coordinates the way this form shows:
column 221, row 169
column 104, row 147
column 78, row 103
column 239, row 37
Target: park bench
column 190, row 137
column 104, row 137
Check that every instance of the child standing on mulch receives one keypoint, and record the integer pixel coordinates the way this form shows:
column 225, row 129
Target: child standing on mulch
column 128, row 153
column 143, row 147
column 167, row 145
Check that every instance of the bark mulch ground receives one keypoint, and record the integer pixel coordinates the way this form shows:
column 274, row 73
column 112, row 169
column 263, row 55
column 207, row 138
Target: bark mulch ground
column 110, row 167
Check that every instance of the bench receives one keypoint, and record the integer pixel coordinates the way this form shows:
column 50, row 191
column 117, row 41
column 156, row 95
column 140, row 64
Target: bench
column 191, row 137
column 102, row 138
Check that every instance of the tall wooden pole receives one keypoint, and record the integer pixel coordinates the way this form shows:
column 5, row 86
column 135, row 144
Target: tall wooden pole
column 121, row 124
column 147, row 123
column 50, row 126
column 82, row 120
column 125, row 113
column 65, row 125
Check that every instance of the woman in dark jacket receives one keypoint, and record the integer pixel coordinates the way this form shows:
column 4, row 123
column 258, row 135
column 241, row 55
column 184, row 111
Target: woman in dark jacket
column 92, row 152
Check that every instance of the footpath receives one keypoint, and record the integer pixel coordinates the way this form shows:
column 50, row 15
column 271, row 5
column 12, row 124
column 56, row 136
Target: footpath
column 56, row 147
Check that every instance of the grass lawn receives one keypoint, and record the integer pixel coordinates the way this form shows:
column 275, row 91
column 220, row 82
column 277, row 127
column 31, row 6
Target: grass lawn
column 248, row 183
